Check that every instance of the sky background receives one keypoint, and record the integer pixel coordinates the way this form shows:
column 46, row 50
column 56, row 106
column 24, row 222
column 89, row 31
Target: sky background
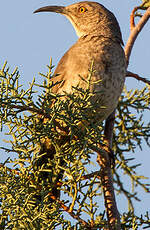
column 28, row 41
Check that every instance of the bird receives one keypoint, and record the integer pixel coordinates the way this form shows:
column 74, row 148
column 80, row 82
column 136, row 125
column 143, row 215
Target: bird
column 99, row 42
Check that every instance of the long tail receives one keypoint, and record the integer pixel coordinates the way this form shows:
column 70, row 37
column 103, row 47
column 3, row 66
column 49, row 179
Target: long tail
column 48, row 165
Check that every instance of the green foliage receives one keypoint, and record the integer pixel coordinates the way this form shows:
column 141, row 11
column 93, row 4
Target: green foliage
column 146, row 3
column 130, row 132
column 139, row 9
column 21, row 183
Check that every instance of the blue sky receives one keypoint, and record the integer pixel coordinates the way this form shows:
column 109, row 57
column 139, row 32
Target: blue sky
column 28, row 41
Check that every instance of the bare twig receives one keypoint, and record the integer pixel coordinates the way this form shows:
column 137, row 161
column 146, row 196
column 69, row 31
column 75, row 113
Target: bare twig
column 132, row 16
column 90, row 175
column 134, row 33
column 136, row 76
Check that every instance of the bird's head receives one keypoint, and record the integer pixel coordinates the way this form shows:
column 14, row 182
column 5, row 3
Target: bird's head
column 89, row 18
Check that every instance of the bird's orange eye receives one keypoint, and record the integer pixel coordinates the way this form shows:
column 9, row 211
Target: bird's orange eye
column 82, row 9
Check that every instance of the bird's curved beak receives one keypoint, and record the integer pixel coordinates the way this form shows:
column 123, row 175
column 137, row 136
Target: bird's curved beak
column 55, row 9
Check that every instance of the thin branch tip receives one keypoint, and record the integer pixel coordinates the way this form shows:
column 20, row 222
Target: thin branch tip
column 137, row 77
column 135, row 30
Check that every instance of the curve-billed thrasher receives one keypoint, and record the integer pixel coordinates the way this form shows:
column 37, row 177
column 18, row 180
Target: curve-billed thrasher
column 100, row 42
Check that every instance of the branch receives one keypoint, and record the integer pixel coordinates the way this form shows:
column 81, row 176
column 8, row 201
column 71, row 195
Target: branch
column 67, row 209
column 136, row 76
column 107, row 179
column 113, row 215
column 135, row 30
column 90, row 175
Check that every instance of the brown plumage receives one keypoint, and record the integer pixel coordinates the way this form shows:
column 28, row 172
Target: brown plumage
column 100, row 42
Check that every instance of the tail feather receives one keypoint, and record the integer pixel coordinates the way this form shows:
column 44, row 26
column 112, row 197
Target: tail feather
column 51, row 174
